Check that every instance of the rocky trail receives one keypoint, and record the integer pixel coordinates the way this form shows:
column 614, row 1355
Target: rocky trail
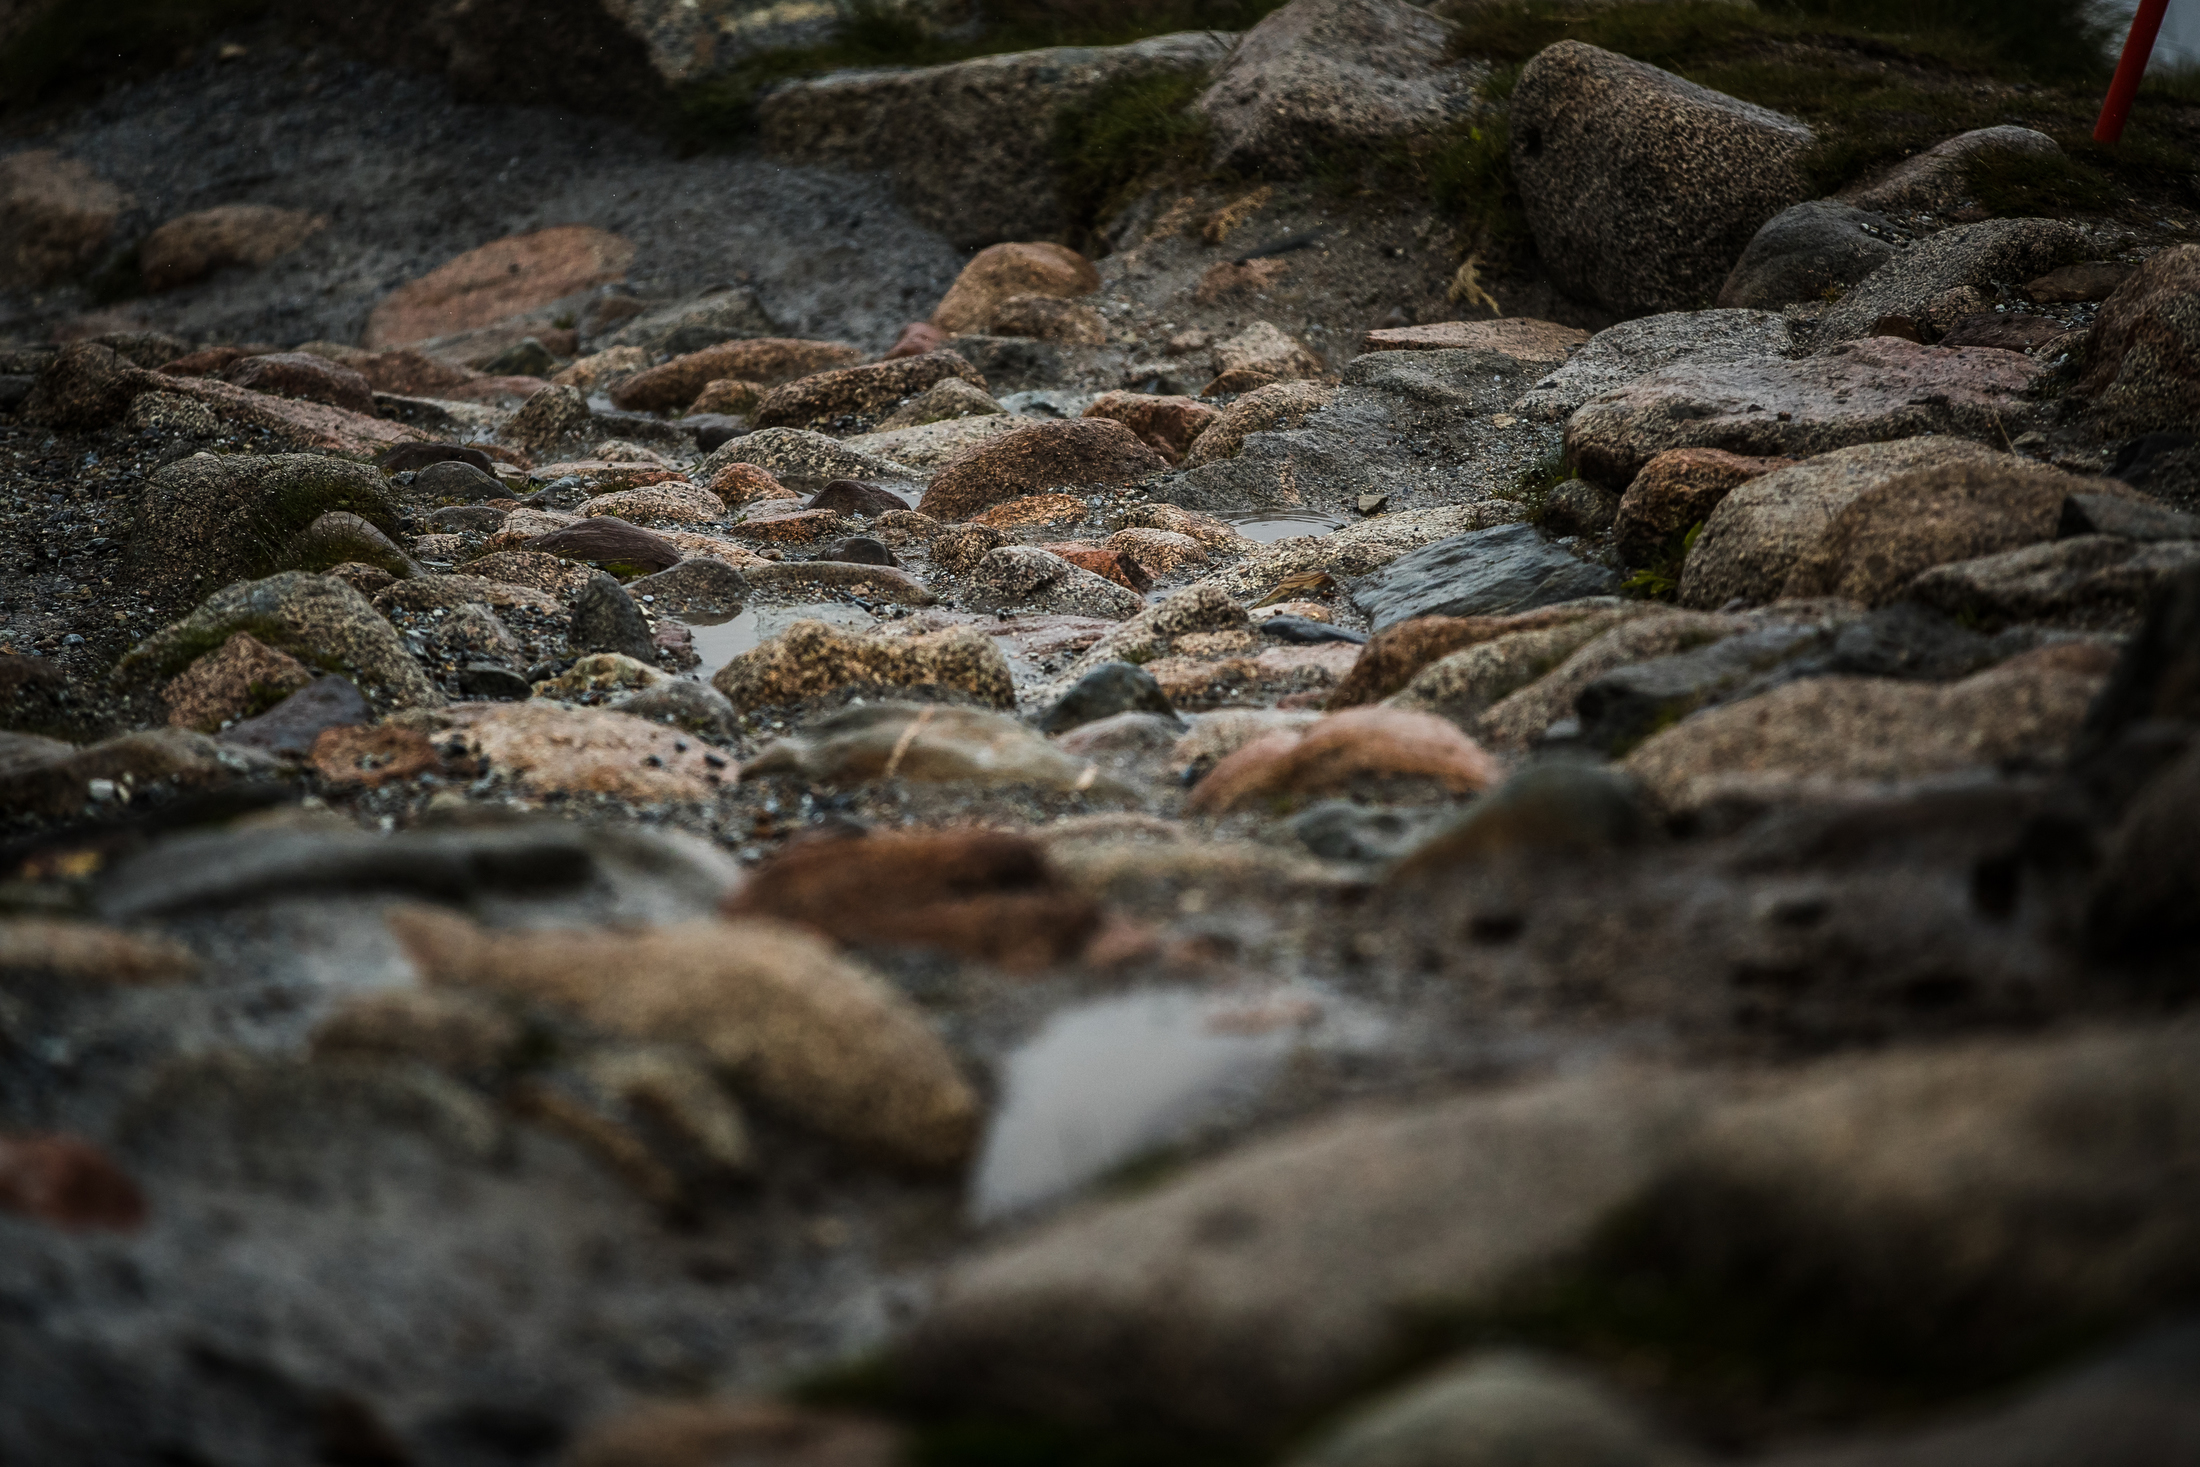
column 1484, row 769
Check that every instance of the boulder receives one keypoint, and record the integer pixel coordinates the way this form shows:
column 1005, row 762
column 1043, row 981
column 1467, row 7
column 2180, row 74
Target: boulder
column 1947, row 276
column 721, row 313
column 802, row 462
column 1026, row 578
column 1263, row 348
column 611, row 543
column 1643, row 189
column 1939, row 178
column 242, row 677
column 1466, row 683
column 1037, row 458
column 2096, row 582
column 195, row 245
column 1675, row 492
column 1278, row 406
column 935, row 445
column 501, row 279
column 1156, row 552
column 343, row 538
column 605, row 619
column 1569, row 809
column 1050, row 318
column 87, row 386
column 1393, row 656
column 766, row 361
column 546, row 748
column 1495, row 572
column 2143, row 358
column 1522, row 718
column 298, row 374
column 1169, row 424
column 861, row 394
column 1619, row 354
column 1857, row 392
column 699, row 586
column 55, row 217
column 812, row 659
column 550, row 415
column 205, row 521
column 1809, row 252
column 1326, row 74
column 947, row 399
column 670, row 503
column 1621, row 708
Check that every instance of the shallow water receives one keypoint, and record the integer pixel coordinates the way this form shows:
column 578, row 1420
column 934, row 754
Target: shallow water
column 719, row 642
column 1270, row 525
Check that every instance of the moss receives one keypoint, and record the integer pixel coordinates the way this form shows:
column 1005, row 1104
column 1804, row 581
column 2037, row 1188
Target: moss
column 77, row 50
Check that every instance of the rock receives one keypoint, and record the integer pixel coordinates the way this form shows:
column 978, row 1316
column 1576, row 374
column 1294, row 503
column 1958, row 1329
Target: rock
column 2094, row 581
column 1553, row 809
column 725, row 397
column 1675, row 492
column 1808, row 253
column 765, row 1433
column 605, row 619
column 721, row 313
column 38, row 697
column 801, row 461
column 807, row 577
column 698, row 586
column 1545, row 343
column 55, row 217
column 2128, row 519
column 933, row 445
column 205, row 521
column 1618, row 355
column 1237, row 380
column 1156, row 552
column 1464, row 684
column 55, row 781
column 915, row 339
column 534, row 569
column 1263, row 348
column 1751, row 541
column 767, row 361
column 924, row 743
column 1930, row 516
column 236, row 680
column 1110, row 689
column 501, row 279
column 948, row 399
column 85, row 953
column 195, row 245
column 859, row 394
column 1103, row 563
column 1395, row 655
column 2042, row 336
column 611, row 543
column 669, row 503
column 1026, row 578
column 169, row 416
column 988, row 895
column 317, row 619
column 1621, row 708
column 1035, row 512
column 859, row 550
column 1537, row 695
column 1576, row 507
column 681, row 704
column 417, row 458
column 86, row 386
column 545, row 748
column 1489, row 572
column 1034, row 459
column 959, row 550
column 802, row 527
column 1495, row 1410
column 1005, row 272
column 1345, row 753
column 290, row 729
column 853, row 497
column 772, row 1006
column 811, row 659
column 66, row 1182
column 343, row 538
column 1936, row 281
column 550, row 415
column 527, row 358
column 1937, row 179
column 2092, row 280
column 1049, row 318
column 1168, row 424
column 738, row 484
column 1643, row 189
column 1269, row 409
column 2141, row 898
column 602, row 672
column 2143, row 358
column 2164, row 465
column 604, row 370
column 1869, row 391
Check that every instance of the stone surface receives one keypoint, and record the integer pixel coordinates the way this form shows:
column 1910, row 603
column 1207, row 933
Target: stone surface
column 1050, row 318
column 236, row 680
column 926, row 744
column 1673, row 493
column 1523, row 717
column 1568, row 809
column 768, row 362
column 2097, row 582
column 66, row 1182
column 1936, row 281
column 290, row 729
column 1169, row 424
column 2143, row 358
column 550, row 415
column 857, row 395
column 853, row 497
column 1939, row 178
column 1038, row 458
column 193, row 246
column 763, row 1433
column 672, row 502
column 811, row 659
column 1643, row 189
column 1027, row 578
column 801, row 461
column 605, row 619
column 697, row 586
column 1520, row 337
column 1280, row 405
column 1345, row 753
column 1107, row 691
column 1487, row 573
column 208, row 520
column 500, row 279
column 54, row 781
column 1868, row 391
column 299, row 374
column 947, row 399
column 1266, row 349
column 1464, row 684
column 343, row 538
column 55, row 217
column 1319, row 74
column 1619, row 709
column 609, row 542
column 1809, row 252
column 545, row 748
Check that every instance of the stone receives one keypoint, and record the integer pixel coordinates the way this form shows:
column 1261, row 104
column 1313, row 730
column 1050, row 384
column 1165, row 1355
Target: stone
column 56, row 215
column 1168, row 424
column 1935, row 281
column 1005, row 272
column 1939, row 178
column 1109, row 689
column 343, row 538
column 1869, row 391
column 853, row 497
column 501, row 279
column 546, row 748
column 924, row 743
column 534, row 569
column 1621, row 708
column 801, row 461
column 602, row 672
column 1488, row 572
column 766, row 361
column 1237, row 380
column 1043, row 456
column 1035, row 512
column 2090, row 280
column 53, row 781
column 772, row 1006
column 602, row 371
column 725, row 397
column 1050, row 318
column 417, row 458
column 765, row 1433
column 1103, row 563
column 915, row 339
column 859, row 550
column 2140, row 901
column 802, row 527
column 356, row 758
column 1345, row 753
column 1619, row 354
column 38, row 697
column 861, row 394
column 2041, row 336
column 300, row 374
column 959, row 550
column 317, row 619
column 527, row 359
column 811, row 659
column 1536, row 694
column 934, row 445
column 1269, row 409
column 737, row 484
column 1642, row 189
column 1026, row 578
column 193, row 246
column 1524, row 339
column 236, row 680
column 290, row 729
column 1552, row 809
column 948, row 399
column 1577, row 508
column 681, row 704
column 605, row 619
column 2128, row 519
column 1156, row 552
column 550, row 415
column 699, row 586
column 1753, row 538
column 610, row 543
column 2143, row 358
column 2094, row 582
column 87, row 953
column 1810, row 252
column 795, row 578
column 86, row 386
column 982, row 894
column 669, row 503
column 1286, row 624
column 169, row 416
column 1263, row 347
column 721, row 313
column 1675, row 492
column 67, row 1182
column 206, row 521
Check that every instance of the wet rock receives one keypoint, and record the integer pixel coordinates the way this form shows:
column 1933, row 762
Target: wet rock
column 1034, row 459
column 546, row 748
column 1643, row 189
column 290, row 728
column 1489, row 572
column 1300, row 629
column 1618, row 355
column 1342, row 754
column 1935, row 180
column 501, row 279
column 238, row 679
column 1169, row 424
column 1263, row 347
column 449, row 593
column 195, row 245
column 1157, row 552
column 1048, row 318
column 1939, row 280
column 1752, row 540
column 724, row 401
column 2041, row 336
column 861, row 550
column 2142, row 899
column 605, row 619
column 958, row 551
column 317, row 619
column 853, row 497
column 1328, row 73
column 1103, row 563
column 1035, row 512
column 2096, row 582
column 768, row 362
column 1808, row 252
column 803, row 527
column 602, row 672
column 57, row 217
column 66, row 1182
column 1554, row 809
column 737, row 484
column 802, row 461
column 1675, row 492
column 948, row 399
column 55, row 780
column 1110, row 689
column 168, row 415
column 1024, row 577
column 811, row 659
column 2143, row 359
column 206, row 520
column 1498, row 659
column 296, row 374
column 1542, row 343
column 934, row 445
column 874, row 582
column 988, row 895
column 763, row 1433
column 610, row 543
column 1576, row 507
column 799, row 1028
column 926, row 743
column 1279, row 406
column 860, row 394
column 1869, row 391
column 697, row 586
column 86, row 386
column 2129, row 519
column 669, row 503
column 532, row 569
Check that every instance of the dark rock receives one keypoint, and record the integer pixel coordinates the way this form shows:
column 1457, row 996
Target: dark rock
column 1675, row 492
column 38, row 697
column 550, row 415
column 2095, row 582
column 2157, row 676
column 2090, row 280
column 1559, row 807
column 461, row 518
column 343, row 538
column 605, row 619
column 56, row 780
column 14, row 388
column 1339, row 830
column 2131, row 519
column 2143, row 359
column 1947, row 276
column 1627, row 705
column 1112, row 688
column 609, row 542
column 454, row 479
column 497, row 681
column 288, row 729
column 526, row 358
column 1939, row 178
column 2145, row 900
column 86, row 386
column 1024, row 577
column 1578, row 507
column 303, row 375
column 721, row 313
column 2165, row 465
column 410, row 458
column 861, row 550
column 699, row 586
column 683, row 704
column 2010, row 331
column 205, row 521
column 713, row 431
column 852, row 496
column 1805, row 252
column 862, row 393
column 1301, row 629
column 1910, row 641
column 1486, row 573
column 66, row 1182
column 1618, row 355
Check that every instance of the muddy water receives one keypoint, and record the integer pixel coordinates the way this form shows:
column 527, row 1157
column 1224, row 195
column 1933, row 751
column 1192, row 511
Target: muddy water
column 1270, row 525
column 719, row 642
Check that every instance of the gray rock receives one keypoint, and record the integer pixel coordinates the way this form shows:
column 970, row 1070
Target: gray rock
column 340, row 536
column 729, row 313
column 1024, row 577
column 54, row 780
column 492, row 681
column 2095, row 582
column 1578, row 507
column 1642, row 189
column 1627, row 705
column 2143, row 367
column 1339, row 830
column 683, row 704
column 452, row 479
column 1940, row 176
column 1947, row 276
column 1110, row 689
column 701, row 585
column 970, row 145
column 288, row 729
column 804, row 461
column 1322, row 74
column 1300, row 629
column 606, row 540
column 807, row 577
column 1493, row 572
column 413, row 458
column 1619, row 354
column 605, row 619
column 2129, row 519
column 528, row 358
column 464, row 518
column 206, row 521
column 551, row 415
column 2165, row 465
column 1910, row 641
column 1809, row 251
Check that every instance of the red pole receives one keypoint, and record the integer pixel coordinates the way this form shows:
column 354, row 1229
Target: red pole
column 2129, row 68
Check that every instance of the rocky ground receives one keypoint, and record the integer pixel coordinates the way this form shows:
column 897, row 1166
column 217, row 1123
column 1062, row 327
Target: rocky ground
column 650, row 814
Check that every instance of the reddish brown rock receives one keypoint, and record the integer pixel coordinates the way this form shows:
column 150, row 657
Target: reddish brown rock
column 1394, row 655
column 88, row 386
column 1238, row 380
column 196, row 245
column 1049, row 318
column 768, row 360
column 1033, row 460
column 238, row 679
column 803, row 527
column 863, row 393
column 368, row 758
column 1120, row 569
column 55, row 217
column 307, row 424
column 755, row 1434
column 999, row 272
column 301, row 375
column 988, row 895
column 68, row 1183
column 213, row 361
column 1169, row 424
column 1675, row 491
column 739, row 484
column 610, row 542
column 1519, row 337
column 1239, row 277
column 2143, row 359
column 1034, row 511
column 728, row 395
column 405, row 373
column 917, row 338
column 1340, row 753
column 502, row 278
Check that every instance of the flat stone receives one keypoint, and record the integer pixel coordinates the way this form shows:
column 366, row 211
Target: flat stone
column 1939, row 280
column 2097, row 582
column 1526, row 340
column 1619, row 354
column 1494, row 572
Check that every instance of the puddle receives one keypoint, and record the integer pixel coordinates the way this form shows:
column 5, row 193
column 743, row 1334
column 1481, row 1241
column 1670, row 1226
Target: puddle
column 1107, row 1082
column 1270, row 525
column 719, row 642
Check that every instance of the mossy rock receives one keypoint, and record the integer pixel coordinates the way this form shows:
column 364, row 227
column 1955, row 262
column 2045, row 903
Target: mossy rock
column 209, row 520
